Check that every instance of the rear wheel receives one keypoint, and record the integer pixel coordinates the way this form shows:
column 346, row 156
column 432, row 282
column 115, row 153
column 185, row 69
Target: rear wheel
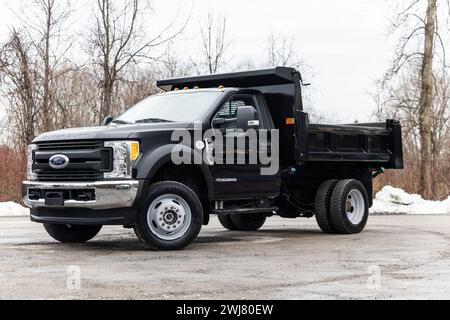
column 243, row 222
column 248, row 222
column 225, row 221
column 322, row 206
column 349, row 207
column 72, row 233
column 170, row 218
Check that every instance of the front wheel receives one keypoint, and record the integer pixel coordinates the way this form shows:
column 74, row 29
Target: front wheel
column 349, row 207
column 72, row 233
column 170, row 218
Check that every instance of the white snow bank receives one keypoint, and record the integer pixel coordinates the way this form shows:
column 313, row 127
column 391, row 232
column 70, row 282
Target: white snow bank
column 9, row 209
column 396, row 201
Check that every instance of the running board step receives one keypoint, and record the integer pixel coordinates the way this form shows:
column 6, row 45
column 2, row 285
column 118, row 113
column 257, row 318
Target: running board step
column 246, row 211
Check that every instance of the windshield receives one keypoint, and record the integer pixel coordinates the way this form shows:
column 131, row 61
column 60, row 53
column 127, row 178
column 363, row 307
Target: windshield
column 173, row 107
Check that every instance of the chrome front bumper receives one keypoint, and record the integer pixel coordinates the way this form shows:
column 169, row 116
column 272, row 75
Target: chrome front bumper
column 108, row 194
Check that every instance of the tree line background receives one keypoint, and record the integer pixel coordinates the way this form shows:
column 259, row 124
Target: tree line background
column 52, row 77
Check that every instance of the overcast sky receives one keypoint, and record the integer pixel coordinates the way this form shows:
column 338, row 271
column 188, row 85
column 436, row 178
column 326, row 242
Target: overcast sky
column 344, row 42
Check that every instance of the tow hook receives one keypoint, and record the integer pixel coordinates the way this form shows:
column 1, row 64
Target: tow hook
column 380, row 170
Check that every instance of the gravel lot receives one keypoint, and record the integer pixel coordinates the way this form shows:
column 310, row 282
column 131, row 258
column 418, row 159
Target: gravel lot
column 397, row 257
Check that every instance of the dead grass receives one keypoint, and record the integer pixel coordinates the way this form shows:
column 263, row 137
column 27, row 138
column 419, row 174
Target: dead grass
column 408, row 179
column 12, row 173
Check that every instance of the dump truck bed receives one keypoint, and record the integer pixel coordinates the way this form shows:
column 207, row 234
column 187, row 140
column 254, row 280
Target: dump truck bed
column 376, row 144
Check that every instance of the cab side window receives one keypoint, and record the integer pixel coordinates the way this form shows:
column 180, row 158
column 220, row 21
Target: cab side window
column 226, row 118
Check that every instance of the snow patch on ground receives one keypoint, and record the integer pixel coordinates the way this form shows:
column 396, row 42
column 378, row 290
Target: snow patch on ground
column 391, row 200
column 12, row 209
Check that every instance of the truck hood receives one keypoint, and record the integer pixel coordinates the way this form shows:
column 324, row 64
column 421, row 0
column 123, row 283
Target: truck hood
column 110, row 132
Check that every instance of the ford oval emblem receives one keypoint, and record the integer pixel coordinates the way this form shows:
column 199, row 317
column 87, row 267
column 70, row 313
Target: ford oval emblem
column 58, row 161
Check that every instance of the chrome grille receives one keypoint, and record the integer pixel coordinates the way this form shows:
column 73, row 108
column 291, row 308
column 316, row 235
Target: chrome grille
column 88, row 160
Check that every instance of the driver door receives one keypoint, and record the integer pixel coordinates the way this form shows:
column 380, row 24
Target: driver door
column 233, row 180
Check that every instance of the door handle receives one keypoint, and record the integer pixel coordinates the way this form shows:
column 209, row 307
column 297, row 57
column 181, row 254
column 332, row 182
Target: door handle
column 209, row 149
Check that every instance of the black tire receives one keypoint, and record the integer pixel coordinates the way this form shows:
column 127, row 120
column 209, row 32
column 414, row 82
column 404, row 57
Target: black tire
column 339, row 206
column 322, row 206
column 71, row 233
column 225, row 221
column 248, row 222
column 153, row 240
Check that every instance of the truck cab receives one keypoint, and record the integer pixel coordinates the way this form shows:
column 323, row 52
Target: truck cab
column 235, row 145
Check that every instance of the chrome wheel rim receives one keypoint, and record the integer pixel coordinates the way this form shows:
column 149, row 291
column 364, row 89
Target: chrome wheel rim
column 169, row 217
column 355, row 207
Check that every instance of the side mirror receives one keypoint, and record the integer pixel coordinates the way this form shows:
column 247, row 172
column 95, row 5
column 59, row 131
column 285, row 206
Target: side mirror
column 107, row 120
column 219, row 122
column 247, row 118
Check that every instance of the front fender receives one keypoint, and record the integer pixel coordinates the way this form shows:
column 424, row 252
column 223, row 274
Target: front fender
column 152, row 161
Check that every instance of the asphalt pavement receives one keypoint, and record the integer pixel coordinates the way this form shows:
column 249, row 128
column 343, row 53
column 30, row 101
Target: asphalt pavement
column 396, row 257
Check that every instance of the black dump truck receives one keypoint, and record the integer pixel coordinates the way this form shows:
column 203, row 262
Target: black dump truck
column 125, row 172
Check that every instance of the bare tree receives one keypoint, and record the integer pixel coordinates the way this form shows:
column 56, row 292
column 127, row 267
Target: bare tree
column 401, row 100
column 281, row 52
column 246, row 64
column 54, row 14
column 420, row 49
column 44, row 29
column 75, row 98
column 426, row 101
column 171, row 63
column 214, row 45
column 20, row 77
column 118, row 40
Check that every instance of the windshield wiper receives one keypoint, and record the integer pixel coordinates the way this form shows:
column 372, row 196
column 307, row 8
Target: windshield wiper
column 152, row 120
column 120, row 122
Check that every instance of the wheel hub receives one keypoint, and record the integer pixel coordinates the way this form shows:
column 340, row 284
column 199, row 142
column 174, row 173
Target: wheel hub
column 355, row 206
column 169, row 217
column 349, row 207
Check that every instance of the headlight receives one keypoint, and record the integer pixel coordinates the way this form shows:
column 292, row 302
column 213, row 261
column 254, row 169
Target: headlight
column 30, row 174
column 125, row 153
